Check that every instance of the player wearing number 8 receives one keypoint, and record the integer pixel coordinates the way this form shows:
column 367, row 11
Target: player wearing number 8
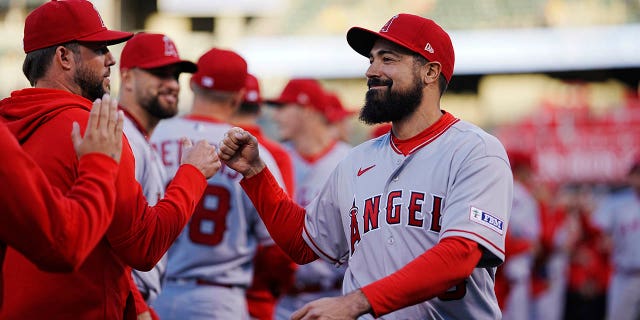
column 210, row 266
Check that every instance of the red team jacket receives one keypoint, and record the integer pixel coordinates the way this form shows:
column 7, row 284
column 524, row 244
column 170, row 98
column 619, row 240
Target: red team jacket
column 32, row 207
column 137, row 237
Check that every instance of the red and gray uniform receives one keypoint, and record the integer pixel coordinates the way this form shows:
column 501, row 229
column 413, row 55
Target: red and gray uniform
column 319, row 278
column 619, row 216
column 210, row 264
column 390, row 202
column 151, row 175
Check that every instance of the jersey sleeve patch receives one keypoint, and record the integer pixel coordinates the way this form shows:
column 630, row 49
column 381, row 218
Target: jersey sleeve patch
column 486, row 219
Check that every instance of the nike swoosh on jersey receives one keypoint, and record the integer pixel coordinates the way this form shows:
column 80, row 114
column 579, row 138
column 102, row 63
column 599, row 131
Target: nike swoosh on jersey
column 362, row 171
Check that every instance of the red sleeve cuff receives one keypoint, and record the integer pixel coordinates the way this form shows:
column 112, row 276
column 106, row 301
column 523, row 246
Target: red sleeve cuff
column 454, row 258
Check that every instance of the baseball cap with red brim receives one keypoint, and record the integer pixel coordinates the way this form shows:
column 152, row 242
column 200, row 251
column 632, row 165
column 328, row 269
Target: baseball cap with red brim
column 420, row 35
column 336, row 110
column 303, row 92
column 63, row 21
column 153, row 50
column 221, row 70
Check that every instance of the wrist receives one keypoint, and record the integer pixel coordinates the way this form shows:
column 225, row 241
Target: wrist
column 360, row 304
column 254, row 169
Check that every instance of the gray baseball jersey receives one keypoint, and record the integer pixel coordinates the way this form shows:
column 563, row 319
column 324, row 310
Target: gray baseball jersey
column 320, row 275
column 380, row 209
column 151, row 175
column 217, row 246
column 619, row 216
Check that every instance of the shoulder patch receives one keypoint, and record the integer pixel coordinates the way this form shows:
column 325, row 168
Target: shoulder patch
column 486, row 219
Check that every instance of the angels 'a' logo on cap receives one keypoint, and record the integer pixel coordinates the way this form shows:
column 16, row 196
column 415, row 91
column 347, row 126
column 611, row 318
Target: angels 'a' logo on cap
column 387, row 25
column 169, row 48
column 428, row 48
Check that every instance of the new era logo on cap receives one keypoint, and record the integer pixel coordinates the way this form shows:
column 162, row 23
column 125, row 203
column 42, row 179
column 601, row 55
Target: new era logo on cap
column 428, row 48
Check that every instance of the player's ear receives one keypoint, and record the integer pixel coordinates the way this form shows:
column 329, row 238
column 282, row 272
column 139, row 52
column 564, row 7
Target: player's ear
column 432, row 72
column 126, row 77
column 64, row 57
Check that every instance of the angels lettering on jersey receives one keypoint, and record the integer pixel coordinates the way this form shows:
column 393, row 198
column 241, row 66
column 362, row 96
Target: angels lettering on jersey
column 400, row 207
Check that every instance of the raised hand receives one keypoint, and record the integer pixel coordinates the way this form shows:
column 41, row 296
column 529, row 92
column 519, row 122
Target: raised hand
column 202, row 155
column 104, row 130
column 239, row 151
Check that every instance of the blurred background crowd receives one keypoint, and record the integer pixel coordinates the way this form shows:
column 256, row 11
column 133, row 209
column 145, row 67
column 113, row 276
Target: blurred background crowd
column 557, row 81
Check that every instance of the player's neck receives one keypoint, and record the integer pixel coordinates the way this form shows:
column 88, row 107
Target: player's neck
column 313, row 143
column 215, row 111
column 143, row 119
column 423, row 118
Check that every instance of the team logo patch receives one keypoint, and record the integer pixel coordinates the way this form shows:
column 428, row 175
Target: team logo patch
column 486, row 219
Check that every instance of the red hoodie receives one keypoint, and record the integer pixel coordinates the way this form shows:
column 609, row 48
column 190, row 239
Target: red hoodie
column 51, row 219
column 137, row 237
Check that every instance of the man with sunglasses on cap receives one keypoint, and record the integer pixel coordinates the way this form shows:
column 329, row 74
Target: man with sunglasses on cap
column 150, row 67
column 420, row 213
column 68, row 63
column 210, row 265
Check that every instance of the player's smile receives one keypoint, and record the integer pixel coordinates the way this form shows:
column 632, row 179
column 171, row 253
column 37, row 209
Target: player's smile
column 377, row 83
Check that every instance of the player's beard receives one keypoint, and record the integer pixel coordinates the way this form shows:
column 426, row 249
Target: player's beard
column 153, row 106
column 90, row 83
column 389, row 105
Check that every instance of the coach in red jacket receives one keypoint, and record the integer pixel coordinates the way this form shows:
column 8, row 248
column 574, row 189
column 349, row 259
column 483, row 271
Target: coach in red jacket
column 68, row 63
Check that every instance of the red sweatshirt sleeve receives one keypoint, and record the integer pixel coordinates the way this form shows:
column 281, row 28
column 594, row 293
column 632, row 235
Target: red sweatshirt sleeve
column 454, row 258
column 283, row 218
column 62, row 230
column 141, row 234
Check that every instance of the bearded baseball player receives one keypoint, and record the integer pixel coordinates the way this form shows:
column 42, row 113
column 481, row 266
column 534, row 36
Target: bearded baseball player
column 150, row 67
column 420, row 214
column 619, row 217
column 210, row 265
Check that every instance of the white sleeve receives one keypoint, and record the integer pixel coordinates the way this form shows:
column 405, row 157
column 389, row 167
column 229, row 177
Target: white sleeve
column 323, row 228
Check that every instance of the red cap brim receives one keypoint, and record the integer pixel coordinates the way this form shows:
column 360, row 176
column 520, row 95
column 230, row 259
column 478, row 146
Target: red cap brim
column 108, row 37
column 362, row 40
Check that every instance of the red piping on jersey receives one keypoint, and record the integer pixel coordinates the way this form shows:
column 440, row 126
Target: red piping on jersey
column 477, row 235
column 198, row 117
column 315, row 157
column 408, row 146
column 334, row 260
column 136, row 123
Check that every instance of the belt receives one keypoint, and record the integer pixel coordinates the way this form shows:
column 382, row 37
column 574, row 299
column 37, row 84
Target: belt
column 203, row 282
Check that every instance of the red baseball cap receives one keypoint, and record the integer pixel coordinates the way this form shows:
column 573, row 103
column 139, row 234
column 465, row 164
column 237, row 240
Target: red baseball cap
column 58, row 22
column 152, row 50
column 420, row 35
column 252, row 90
column 304, row 92
column 221, row 70
column 336, row 111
